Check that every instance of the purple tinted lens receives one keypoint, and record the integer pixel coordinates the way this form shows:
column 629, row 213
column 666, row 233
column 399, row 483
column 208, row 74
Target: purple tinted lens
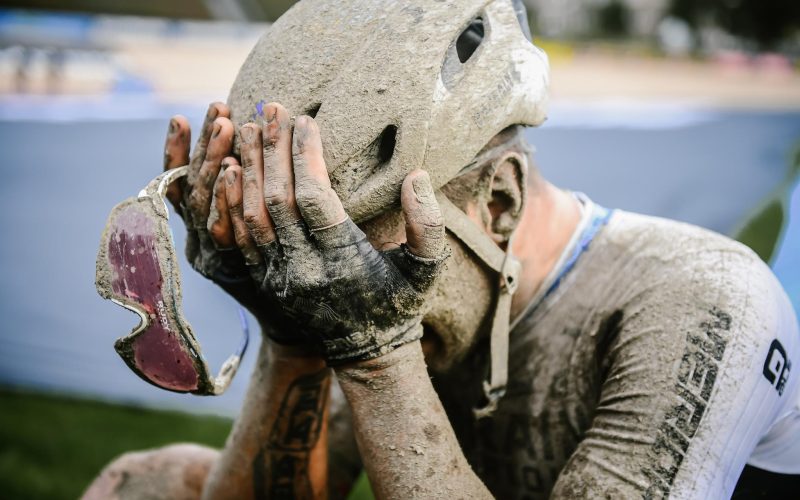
column 159, row 353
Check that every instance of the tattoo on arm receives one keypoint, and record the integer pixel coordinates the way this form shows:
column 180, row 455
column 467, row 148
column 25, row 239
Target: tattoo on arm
column 280, row 470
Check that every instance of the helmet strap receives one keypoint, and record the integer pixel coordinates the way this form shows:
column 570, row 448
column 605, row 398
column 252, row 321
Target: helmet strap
column 508, row 269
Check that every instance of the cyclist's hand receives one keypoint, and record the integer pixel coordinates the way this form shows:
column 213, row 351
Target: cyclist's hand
column 200, row 199
column 318, row 270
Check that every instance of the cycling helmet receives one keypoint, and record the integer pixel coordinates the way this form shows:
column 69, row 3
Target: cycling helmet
column 400, row 85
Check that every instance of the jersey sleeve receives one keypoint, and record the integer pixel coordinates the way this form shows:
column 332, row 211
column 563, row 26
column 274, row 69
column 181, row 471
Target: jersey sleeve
column 699, row 368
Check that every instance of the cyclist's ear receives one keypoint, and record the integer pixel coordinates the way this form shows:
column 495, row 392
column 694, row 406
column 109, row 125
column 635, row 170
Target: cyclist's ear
column 506, row 196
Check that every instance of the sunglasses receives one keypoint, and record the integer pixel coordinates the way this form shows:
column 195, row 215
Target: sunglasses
column 137, row 268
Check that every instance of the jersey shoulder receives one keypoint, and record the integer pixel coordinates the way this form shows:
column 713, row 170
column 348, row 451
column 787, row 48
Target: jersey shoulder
column 684, row 267
column 683, row 324
column 666, row 240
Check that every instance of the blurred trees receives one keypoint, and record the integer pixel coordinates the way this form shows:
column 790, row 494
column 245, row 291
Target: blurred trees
column 765, row 22
column 250, row 10
column 191, row 9
column 274, row 8
column 614, row 19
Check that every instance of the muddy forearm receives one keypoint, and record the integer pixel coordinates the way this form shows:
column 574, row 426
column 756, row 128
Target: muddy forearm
column 278, row 445
column 406, row 441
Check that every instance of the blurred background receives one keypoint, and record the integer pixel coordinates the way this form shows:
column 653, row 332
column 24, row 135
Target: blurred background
column 688, row 109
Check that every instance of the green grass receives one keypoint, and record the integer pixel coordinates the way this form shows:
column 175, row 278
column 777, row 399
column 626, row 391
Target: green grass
column 52, row 446
column 762, row 229
column 361, row 489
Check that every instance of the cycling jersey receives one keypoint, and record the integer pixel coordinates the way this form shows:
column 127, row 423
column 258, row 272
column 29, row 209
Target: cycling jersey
column 656, row 360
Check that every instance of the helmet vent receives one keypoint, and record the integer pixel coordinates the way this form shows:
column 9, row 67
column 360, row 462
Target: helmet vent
column 470, row 39
column 386, row 144
column 367, row 162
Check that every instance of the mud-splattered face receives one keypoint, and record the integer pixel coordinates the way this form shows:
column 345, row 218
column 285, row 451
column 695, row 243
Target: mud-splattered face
column 457, row 311
column 459, row 308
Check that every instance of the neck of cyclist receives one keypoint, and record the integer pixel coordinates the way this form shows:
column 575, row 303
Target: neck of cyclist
column 548, row 222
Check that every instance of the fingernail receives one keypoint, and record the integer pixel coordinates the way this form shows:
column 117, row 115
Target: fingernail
column 230, row 177
column 247, row 134
column 301, row 122
column 173, row 127
column 216, row 129
column 422, row 186
column 272, row 112
column 212, row 112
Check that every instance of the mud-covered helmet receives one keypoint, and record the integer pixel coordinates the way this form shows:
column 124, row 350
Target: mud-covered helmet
column 396, row 86
column 401, row 85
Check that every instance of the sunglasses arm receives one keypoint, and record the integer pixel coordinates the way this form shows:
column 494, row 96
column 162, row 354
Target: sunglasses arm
column 157, row 188
column 231, row 365
column 226, row 374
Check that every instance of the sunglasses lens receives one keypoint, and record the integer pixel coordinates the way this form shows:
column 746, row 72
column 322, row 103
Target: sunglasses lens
column 159, row 353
